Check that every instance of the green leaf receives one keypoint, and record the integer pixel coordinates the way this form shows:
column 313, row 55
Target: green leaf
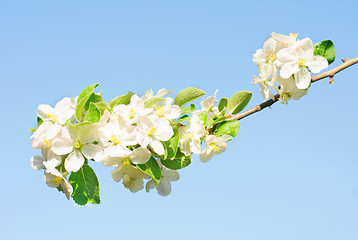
column 203, row 117
column 171, row 146
column 95, row 97
column 124, row 99
column 152, row 169
column 326, row 50
column 152, row 101
column 102, row 106
column 187, row 95
column 229, row 128
column 188, row 109
column 32, row 130
column 183, row 118
column 238, row 102
column 93, row 114
column 39, row 122
column 223, row 104
column 85, row 186
column 180, row 161
column 82, row 100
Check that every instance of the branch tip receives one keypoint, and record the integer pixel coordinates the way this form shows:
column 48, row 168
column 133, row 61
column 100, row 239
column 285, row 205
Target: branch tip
column 330, row 81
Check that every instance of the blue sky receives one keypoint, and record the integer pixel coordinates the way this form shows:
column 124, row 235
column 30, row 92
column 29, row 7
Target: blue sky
column 291, row 173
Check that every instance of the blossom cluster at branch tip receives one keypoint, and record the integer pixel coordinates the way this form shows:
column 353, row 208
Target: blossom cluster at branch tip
column 144, row 138
column 285, row 64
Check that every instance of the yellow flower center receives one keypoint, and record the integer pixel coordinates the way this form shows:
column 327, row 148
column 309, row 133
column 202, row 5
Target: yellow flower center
column 271, row 56
column 50, row 115
column 131, row 114
column 57, row 180
column 47, row 143
column 213, row 147
column 285, row 97
column 114, row 139
column 151, row 131
column 188, row 135
column 301, row 62
column 126, row 162
column 77, row 145
column 160, row 111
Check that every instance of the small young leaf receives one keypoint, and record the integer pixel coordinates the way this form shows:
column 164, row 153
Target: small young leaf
column 326, row 50
column 93, row 114
column 152, row 169
column 183, row 118
column 238, row 102
column 222, row 104
column 124, row 99
column 82, row 100
column 102, row 106
column 180, row 161
column 229, row 128
column 171, row 146
column 85, row 186
column 203, row 117
column 39, row 122
column 152, row 101
column 188, row 109
column 95, row 97
column 187, row 95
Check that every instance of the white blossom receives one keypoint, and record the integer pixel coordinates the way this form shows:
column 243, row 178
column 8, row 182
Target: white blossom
column 164, row 187
column 288, row 89
column 190, row 136
column 130, row 113
column 214, row 145
column 161, row 93
column 295, row 60
column 152, row 131
column 132, row 178
column 77, row 142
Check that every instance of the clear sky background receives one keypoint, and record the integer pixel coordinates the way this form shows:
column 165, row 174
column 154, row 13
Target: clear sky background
column 290, row 174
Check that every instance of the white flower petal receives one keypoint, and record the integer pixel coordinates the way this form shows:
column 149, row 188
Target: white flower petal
column 288, row 69
column 303, row 78
column 74, row 161
column 206, row 155
column 150, row 185
column 93, row 151
column 44, row 111
column 317, row 64
column 164, row 187
column 140, row 155
column 36, row 162
column 53, row 131
column 157, row 147
column 62, row 145
column 66, row 188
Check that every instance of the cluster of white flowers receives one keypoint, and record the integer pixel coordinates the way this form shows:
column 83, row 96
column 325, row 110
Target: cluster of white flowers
column 287, row 61
column 126, row 136
column 153, row 136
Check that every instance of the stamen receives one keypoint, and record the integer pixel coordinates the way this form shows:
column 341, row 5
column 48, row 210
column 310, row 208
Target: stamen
column 57, row 180
column 77, row 145
column 151, row 131
column 131, row 114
